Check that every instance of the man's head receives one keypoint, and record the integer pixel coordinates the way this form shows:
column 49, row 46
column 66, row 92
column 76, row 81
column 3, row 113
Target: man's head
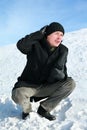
column 53, row 27
column 54, row 34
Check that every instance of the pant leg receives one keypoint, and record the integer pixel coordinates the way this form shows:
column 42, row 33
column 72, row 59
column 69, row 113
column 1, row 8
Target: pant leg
column 60, row 91
column 55, row 93
column 22, row 96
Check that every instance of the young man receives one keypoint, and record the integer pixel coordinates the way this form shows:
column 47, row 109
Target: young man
column 45, row 74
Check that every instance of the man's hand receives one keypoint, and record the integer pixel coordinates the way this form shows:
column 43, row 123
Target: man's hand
column 43, row 30
column 56, row 75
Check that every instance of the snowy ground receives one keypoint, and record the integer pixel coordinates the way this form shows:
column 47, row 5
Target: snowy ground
column 71, row 113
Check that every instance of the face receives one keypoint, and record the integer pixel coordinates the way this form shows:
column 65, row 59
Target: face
column 55, row 38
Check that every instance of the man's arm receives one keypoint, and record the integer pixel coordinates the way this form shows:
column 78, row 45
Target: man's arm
column 62, row 58
column 25, row 44
column 59, row 70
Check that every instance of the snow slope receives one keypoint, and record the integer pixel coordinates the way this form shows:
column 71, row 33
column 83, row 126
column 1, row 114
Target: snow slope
column 71, row 113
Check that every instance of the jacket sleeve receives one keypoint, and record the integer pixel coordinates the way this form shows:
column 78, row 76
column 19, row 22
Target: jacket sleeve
column 62, row 59
column 25, row 44
column 59, row 70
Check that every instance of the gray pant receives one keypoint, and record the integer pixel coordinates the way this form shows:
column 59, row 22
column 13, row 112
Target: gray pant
column 54, row 92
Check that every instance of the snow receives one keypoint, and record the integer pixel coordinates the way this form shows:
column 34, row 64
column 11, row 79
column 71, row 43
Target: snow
column 71, row 113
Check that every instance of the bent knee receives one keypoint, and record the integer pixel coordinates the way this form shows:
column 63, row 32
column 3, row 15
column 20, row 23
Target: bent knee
column 72, row 83
column 15, row 95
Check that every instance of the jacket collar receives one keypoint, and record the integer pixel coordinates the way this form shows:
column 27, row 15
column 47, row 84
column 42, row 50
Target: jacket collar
column 46, row 46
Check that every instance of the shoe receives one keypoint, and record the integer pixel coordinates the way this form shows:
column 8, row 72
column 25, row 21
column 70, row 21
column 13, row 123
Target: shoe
column 42, row 112
column 36, row 99
column 24, row 115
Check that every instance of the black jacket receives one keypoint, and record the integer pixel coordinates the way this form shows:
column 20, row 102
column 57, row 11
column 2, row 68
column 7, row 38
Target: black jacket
column 43, row 65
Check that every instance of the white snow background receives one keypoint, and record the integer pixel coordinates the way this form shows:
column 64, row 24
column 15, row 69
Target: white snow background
column 71, row 113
